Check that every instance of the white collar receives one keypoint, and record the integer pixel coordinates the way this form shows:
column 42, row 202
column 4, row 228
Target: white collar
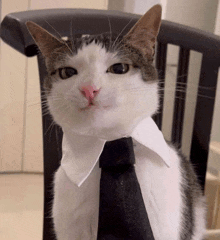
column 81, row 153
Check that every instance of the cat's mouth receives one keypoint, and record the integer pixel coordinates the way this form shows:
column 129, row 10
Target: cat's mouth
column 92, row 106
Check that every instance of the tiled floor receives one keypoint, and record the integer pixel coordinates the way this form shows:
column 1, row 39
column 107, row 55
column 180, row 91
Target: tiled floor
column 21, row 206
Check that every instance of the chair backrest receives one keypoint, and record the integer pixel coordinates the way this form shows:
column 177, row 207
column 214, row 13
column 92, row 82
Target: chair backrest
column 85, row 21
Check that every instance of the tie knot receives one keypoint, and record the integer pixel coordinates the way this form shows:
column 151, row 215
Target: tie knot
column 118, row 152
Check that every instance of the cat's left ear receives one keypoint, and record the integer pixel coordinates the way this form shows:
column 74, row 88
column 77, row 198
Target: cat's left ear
column 46, row 42
column 144, row 33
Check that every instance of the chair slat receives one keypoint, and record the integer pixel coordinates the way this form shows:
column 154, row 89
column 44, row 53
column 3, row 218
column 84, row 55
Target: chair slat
column 180, row 96
column 161, row 57
column 52, row 155
column 203, row 116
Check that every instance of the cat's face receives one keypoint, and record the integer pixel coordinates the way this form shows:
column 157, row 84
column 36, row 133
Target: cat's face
column 98, row 86
column 119, row 101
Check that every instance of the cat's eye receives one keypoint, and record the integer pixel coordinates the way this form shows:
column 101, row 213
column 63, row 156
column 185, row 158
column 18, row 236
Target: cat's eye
column 67, row 72
column 118, row 68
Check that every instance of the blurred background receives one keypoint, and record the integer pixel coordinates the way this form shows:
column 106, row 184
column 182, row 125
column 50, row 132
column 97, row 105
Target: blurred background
column 21, row 153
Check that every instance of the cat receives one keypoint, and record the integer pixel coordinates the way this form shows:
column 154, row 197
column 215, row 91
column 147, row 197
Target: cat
column 101, row 87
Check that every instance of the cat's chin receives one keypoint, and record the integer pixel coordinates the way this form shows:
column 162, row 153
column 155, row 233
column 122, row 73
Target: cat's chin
column 106, row 134
column 93, row 108
column 103, row 132
column 109, row 134
column 106, row 131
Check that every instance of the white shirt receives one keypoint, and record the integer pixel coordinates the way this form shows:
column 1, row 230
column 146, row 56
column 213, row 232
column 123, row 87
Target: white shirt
column 157, row 167
column 81, row 153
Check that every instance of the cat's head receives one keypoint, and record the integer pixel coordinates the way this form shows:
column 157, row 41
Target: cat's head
column 101, row 85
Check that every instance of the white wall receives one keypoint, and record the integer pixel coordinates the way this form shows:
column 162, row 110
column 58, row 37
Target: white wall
column 139, row 6
column 12, row 93
column 217, row 23
column 132, row 6
column 195, row 13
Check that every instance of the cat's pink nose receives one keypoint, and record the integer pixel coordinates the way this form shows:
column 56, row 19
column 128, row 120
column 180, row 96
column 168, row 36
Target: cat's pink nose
column 89, row 91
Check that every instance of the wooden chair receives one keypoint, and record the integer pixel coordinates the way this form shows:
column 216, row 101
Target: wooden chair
column 86, row 21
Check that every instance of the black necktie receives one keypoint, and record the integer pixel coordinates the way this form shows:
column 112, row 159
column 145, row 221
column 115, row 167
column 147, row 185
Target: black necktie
column 122, row 213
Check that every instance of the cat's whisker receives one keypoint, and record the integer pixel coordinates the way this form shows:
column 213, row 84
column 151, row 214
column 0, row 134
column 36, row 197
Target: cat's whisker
column 57, row 51
column 38, row 107
column 110, row 30
column 190, row 89
column 31, row 104
column 192, row 95
column 45, row 107
column 174, row 75
column 59, row 36
column 51, row 126
column 71, row 33
column 191, row 84
column 188, row 93
column 121, row 32
column 184, row 86
column 139, row 88
column 46, row 113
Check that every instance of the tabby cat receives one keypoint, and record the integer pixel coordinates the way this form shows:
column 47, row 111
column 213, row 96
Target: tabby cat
column 101, row 87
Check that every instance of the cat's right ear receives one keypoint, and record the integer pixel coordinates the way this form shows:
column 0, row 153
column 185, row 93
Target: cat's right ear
column 144, row 33
column 44, row 40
